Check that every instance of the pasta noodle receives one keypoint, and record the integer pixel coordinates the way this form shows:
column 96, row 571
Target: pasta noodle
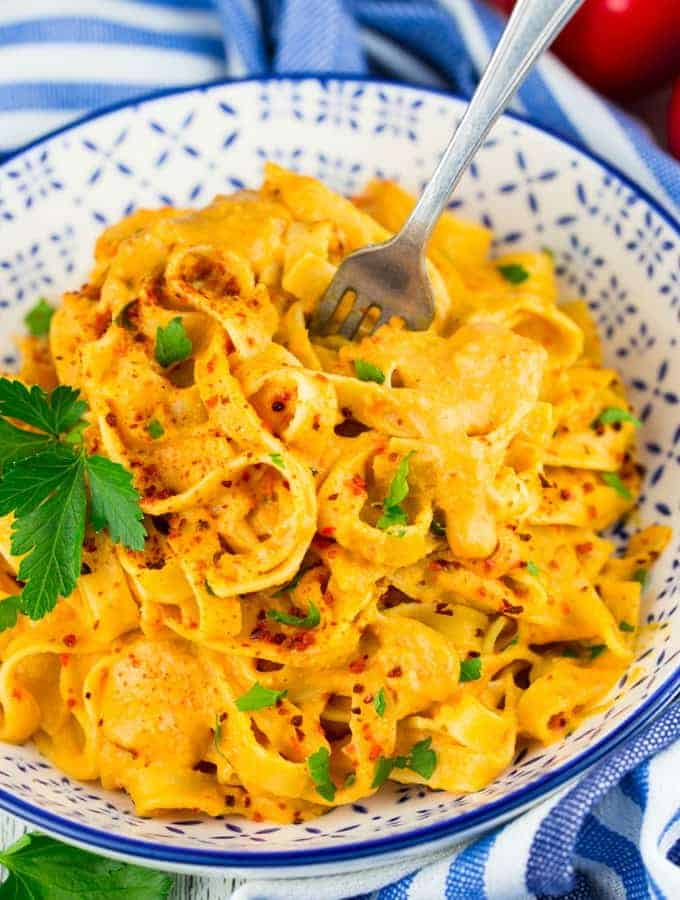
column 364, row 560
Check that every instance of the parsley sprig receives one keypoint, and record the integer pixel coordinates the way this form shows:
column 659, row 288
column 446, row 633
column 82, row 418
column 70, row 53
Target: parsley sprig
column 258, row 697
column 394, row 513
column 47, row 476
column 319, row 768
column 40, row 867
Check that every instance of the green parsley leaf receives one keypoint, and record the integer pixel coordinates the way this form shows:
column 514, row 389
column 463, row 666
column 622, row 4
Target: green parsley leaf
column 123, row 319
column 533, row 569
column 44, row 869
column 383, row 770
column 172, row 343
column 16, row 444
column 318, row 765
column 10, row 608
column 29, row 481
column 51, row 535
column 423, row 759
column 626, row 626
column 642, row 577
column 470, row 669
column 570, row 652
column 258, row 697
column 513, row 273
column 612, row 480
column 277, row 459
column 437, row 528
column 393, row 513
column 54, row 414
column 155, row 429
column 512, row 643
column 38, row 319
column 350, row 779
column 612, row 414
column 217, row 738
column 366, row 371
column 380, row 702
column 115, row 502
column 311, row 620
column 596, row 650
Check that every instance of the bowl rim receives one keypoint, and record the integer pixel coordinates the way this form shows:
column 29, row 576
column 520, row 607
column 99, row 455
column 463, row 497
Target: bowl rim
column 502, row 808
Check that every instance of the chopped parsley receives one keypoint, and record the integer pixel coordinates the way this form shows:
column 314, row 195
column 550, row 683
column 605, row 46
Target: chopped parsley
column 38, row 318
column 311, row 620
column 570, row 652
column 514, row 273
column 217, row 738
column 380, row 702
column 155, row 429
column 470, row 669
column 610, row 415
column 172, row 343
column 366, row 371
column 350, row 779
column 596, row 650
column 612, row 480
column 626, row 626
column 318, row 765
column 422, row 760
column 642, row 577
column 393, row 511
column 277, row 459
column 533, row 569
column 258, row 697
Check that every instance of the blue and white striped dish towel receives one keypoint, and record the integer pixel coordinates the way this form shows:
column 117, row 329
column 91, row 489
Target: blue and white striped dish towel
column 616, row 833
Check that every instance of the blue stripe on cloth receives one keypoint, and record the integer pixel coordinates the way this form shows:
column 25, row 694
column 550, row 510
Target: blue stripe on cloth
column 76, row 29
column 465, row 877
column 182, row 4
column 397, row 891
column 66, row 95
column 309, row 42
column 425, row 29
column 550, row 868
column 602, row 844
column 242, row 27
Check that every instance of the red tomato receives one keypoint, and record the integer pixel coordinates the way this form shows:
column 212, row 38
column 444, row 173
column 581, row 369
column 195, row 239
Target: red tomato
column 624, row 48
column 674, row 121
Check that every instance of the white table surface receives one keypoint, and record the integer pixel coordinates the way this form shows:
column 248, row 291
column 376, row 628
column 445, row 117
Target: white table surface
column 186, row 887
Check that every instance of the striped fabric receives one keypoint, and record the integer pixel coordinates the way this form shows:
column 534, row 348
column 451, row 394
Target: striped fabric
column 616, row 834
column 61, row 58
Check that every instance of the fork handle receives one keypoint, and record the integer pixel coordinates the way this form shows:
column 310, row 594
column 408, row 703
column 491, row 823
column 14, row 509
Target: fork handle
column 530, row 29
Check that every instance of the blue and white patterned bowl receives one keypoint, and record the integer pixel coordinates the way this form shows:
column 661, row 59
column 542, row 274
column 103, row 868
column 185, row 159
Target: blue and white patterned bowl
column 612, row 244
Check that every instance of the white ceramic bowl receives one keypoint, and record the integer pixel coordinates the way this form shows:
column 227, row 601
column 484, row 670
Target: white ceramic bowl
column 612, row 244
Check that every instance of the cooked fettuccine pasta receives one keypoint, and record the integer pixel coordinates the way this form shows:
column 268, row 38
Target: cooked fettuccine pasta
column 367, row 560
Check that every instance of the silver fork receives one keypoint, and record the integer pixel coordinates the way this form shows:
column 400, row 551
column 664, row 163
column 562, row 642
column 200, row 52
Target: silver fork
column 390, row 278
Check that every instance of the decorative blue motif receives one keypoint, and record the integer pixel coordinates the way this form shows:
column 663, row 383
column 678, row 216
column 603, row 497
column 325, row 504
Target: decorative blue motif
column 611, row 246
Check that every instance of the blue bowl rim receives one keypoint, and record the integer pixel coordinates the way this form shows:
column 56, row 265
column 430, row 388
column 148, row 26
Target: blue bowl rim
column 544, row 785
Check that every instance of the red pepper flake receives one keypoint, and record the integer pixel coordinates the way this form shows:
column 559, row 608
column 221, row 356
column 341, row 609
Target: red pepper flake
column 557, row 721
column 328, row 531
column 357, row 665
column 111, row 419
column 357, row 485
column 584, row 548
column 70, row 640
column 212, row 402
column 395, row 672
column 374, row 752
column 64, row 659
column 509, row 609
column 16, row 693
column 71, row 702
column 565, row 494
